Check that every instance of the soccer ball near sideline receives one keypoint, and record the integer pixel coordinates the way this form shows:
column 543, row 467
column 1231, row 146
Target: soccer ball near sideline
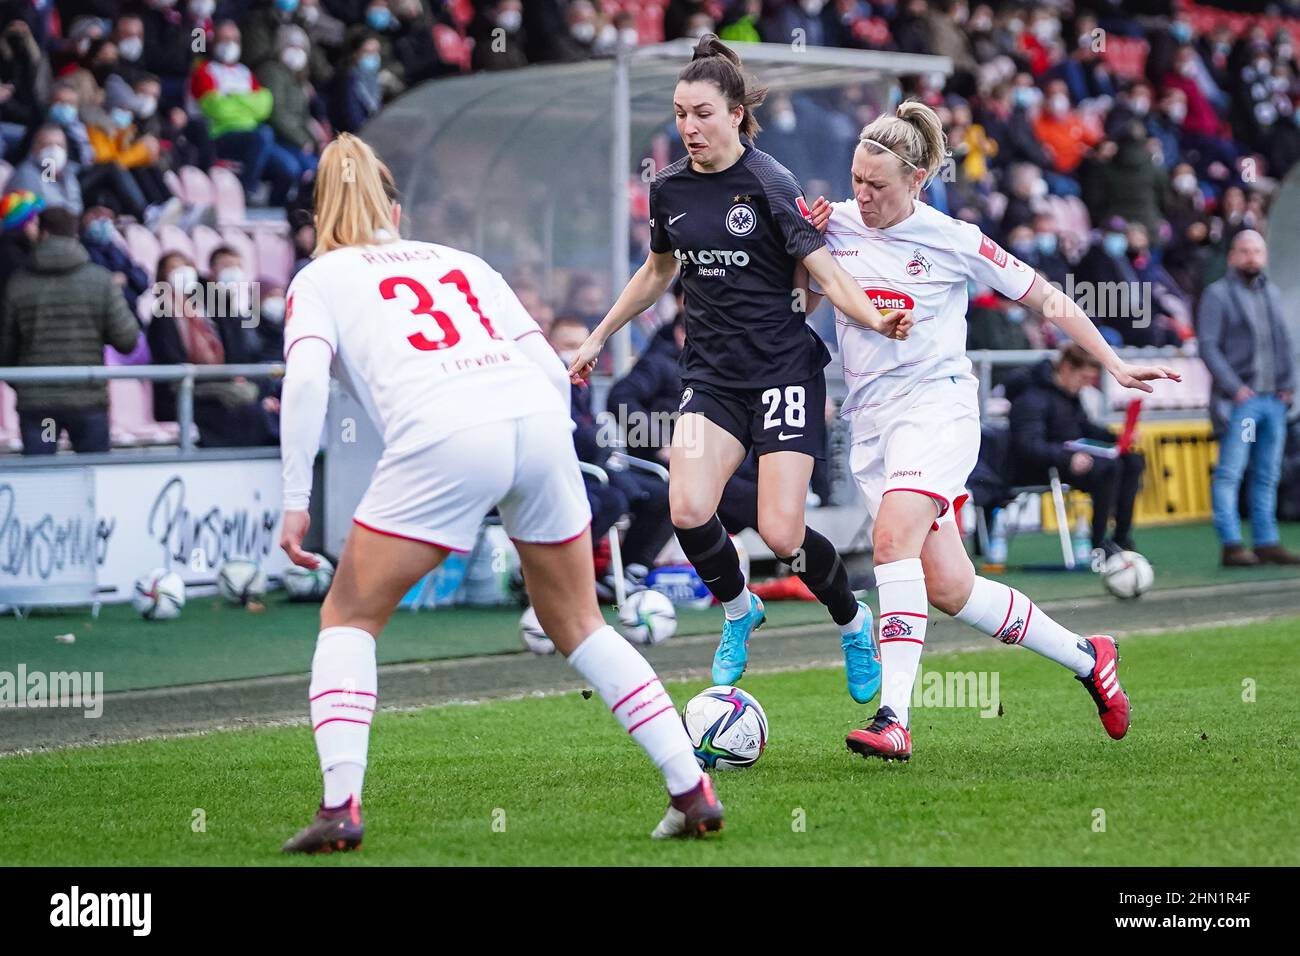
column 159, row 595
column 241, row 581
column 1127, row 575
column 647, row 617
column 305, row 584
column 727, row 727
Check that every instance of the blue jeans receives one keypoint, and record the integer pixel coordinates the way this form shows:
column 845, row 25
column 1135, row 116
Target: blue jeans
column 1256, row 436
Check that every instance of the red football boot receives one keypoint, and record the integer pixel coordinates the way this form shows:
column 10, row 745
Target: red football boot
column 884, row 737
column 1103, row 685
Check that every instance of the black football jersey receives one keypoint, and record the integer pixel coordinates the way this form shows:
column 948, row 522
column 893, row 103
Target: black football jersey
column 738, row 235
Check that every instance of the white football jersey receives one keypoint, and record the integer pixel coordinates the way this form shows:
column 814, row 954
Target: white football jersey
column 921, row 264
column 424, row 336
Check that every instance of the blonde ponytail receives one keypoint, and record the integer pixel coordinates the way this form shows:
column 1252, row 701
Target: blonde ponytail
column 913, row 134
column 354, row 196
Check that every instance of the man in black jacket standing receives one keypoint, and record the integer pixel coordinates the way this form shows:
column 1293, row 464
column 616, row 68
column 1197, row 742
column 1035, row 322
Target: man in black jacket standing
column 1045, row 414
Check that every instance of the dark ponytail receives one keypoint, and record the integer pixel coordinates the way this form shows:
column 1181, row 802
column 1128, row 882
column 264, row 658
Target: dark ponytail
column 715, row 62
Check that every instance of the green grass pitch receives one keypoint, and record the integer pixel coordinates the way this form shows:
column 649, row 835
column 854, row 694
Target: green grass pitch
column 1206, row 776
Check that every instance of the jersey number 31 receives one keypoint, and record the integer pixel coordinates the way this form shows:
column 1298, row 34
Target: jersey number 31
column 424, row 306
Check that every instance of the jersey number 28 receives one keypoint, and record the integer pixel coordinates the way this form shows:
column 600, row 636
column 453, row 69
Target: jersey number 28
column 424, row 306
column 794, row 407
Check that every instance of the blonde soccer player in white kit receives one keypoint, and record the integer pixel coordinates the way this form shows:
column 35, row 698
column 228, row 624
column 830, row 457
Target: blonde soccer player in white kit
column 473, row 407
column 914, row 410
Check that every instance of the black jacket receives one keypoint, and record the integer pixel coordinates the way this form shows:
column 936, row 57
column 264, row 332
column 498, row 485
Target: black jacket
column 586, row 436
column 653, row 388
column 1043, row 418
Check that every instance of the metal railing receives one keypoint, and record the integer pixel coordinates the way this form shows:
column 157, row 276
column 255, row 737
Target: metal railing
column 185, row 375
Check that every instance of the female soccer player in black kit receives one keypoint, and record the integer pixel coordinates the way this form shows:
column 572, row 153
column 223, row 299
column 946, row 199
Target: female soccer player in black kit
column 730, row 217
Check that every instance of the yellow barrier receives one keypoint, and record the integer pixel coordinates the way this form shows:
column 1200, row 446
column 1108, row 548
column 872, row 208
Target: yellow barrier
column 1176, row 484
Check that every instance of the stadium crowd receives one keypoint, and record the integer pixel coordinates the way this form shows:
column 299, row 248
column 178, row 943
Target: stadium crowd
column 1102, row 142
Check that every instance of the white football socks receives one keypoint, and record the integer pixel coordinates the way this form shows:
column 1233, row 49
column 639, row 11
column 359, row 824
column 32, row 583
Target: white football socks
column 904, row 613
column 344, row 693
column 629, row 686
column 1005, row 613
column 738, row 606
column 854, row 625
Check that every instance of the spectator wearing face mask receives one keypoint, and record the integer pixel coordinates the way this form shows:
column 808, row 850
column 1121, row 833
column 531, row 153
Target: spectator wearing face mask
column 128, row 34
column 1083, row 69
column 1006, row 116
column 260, row 29
column 61, row 309
column 326, row 34
column 1201, row 124
column 1066, row 136
column 169, row 27
column 1133, row 105
column 1123, row 313
column 293, row 97
column 48, row 172
column 237, row 107
column 24, row 73
column 1025, row 192
column 499, row 37
column 227, row 413
column 64, row 112
column 1129, row 184
column 577, row 41
column 1047, row 256
column 100, row 240
column 380, row 23
column 127, row 160
column 356, row 95
column 415, row 48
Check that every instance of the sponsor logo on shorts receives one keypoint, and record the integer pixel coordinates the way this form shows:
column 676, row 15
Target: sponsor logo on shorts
column 741, row 219
column 895, row 627
column 782, row 436
column 1013, row 634
column 905, row 474
column 686, row 397
column 991, row 251
column 890, row 299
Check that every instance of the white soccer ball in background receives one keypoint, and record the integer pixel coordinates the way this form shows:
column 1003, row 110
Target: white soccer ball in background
column 727, row 727
column 1127, row 575
column 159, row 595
column 304, row 584
column 531, row 633
column 647, row 617
column 241, row 581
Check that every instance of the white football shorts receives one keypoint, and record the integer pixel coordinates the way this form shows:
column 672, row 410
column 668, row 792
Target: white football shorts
column 930, row 447
column 439, row 494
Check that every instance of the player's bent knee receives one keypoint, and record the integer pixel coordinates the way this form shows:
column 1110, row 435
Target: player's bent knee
column 784, row 540
column 686, row 513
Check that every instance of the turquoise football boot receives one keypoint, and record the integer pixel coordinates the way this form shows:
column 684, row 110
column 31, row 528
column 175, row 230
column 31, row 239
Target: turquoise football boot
column 733, row 651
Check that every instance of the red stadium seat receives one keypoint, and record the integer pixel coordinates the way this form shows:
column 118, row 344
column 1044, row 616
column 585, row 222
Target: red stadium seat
column 274, row 256
column 205, row 240
column 1127, row 56
column 10, row 436
column 143, row 247
column 130, row 415
column 228, row 196
column 172, row 238
column 197, row 186
column 238, row 240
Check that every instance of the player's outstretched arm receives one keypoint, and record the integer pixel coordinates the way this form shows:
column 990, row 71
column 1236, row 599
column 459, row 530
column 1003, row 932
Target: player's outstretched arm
column 848, row 298
column 808, row 299
column 1065, row 314
column 303, row 403
column 644, row 290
